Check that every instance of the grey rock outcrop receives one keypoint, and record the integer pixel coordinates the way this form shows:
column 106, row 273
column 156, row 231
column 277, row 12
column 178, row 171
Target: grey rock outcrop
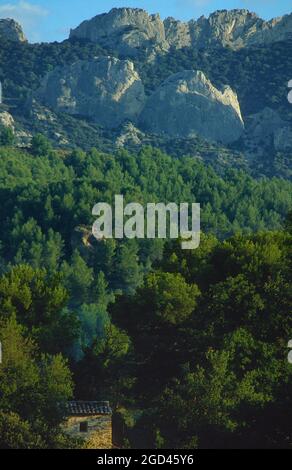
column 177, row 33
column 233, row 28
column 11, row 30
column 129, row 135
column 223, row 27
column 6, row 120
column 187, row 105
column 278, row 29
column 124, row 29
column 266, row 130
column 107, row 90
column 262, row 126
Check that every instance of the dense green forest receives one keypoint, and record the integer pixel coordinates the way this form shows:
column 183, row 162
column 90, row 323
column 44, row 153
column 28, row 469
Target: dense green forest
column 209, row 332
column 189, row 347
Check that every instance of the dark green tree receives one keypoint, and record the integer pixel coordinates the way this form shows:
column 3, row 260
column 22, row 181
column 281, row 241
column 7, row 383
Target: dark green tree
column 40, row 145
column 6, row 136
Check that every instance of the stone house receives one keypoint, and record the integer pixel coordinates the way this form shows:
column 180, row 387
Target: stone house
column 90, row 421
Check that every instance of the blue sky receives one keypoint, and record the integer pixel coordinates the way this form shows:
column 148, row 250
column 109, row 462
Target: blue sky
column 50, row 20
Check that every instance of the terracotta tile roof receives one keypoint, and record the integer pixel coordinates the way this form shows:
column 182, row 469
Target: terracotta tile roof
column 86, row 408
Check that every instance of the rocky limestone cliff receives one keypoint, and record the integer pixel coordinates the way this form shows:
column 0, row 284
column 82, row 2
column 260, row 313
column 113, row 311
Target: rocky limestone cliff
column 278, row 29
column 224, row 27
column 6, row 120
column 261, row 126
column 11, row 30
column 126, row 30
column 109, row 92
column 187, row 105
column 106, row 90
column 266, row 130
column 233, row 28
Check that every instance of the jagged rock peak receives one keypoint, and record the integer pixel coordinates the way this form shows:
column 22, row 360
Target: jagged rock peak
column 223, row 27
column 236, row 12
column 119, row 17
column 187, row 105
column 125, row 29
column 11, row 30
column 128, row 29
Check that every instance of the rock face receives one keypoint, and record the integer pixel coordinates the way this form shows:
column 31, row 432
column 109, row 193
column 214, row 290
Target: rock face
column 109, row 91
column 266, row 130
column 106, row 90
column 278, row 29
column 127, row 29
column 224, row 27
column 129, row 135
column 124, row 29
column 6, row 120
column 187, row 105
column 233, row 28
column 11, row 30
column 262, row 126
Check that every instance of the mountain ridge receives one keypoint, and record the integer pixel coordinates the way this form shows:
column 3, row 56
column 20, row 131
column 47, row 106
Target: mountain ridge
column 233, row 28
column 82, row 93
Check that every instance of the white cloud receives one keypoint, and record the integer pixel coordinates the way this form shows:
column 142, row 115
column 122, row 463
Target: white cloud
column 27, row 14
column 22, row 8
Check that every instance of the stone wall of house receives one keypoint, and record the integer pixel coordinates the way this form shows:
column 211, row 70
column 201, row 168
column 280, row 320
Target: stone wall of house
column 99, row 434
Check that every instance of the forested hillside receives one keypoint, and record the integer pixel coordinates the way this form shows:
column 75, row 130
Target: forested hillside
column 189, row 347
column 88, row 311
